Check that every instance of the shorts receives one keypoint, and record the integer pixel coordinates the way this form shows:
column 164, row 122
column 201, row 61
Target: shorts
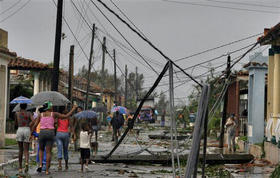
column 85, row 153
column 35, row 134
column 46, row 138
column 23, row 134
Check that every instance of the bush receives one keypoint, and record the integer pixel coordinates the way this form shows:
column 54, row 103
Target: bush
column 9, row 141
column 214, row 125
column 243, row 138
column 276, row 172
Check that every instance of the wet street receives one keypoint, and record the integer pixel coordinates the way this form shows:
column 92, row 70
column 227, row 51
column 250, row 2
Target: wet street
column 131, row 145
column 134, row 144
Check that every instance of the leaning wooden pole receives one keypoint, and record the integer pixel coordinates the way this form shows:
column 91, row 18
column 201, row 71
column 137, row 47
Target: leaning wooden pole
column 191, row 168
column 224, row 118
column 115, row 77
column 71, row 72
column 89, row 64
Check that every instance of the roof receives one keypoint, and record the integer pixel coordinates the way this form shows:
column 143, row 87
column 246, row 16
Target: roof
column 20, row 63
column 7, row 52
column 270, row 35
column 109, row 91
column 255, row 64
column 243, row 73
column 81, row 82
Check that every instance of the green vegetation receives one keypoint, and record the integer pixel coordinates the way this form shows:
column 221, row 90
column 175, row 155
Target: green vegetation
column 9, row 142
column 276, row 172
column 243, row 138
column 214, row 126
column 216, row 171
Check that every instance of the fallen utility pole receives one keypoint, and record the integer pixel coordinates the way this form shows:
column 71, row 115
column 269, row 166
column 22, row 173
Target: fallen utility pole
column 71, row 72
column 125, row 90
column 115, row 77
column 162, row 158
column 191, row 168
column 89, row 64
column 224, row 118
column 56, row 59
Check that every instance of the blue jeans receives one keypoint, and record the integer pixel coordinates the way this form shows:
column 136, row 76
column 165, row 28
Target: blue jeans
column 62, row 141
column 44, row 156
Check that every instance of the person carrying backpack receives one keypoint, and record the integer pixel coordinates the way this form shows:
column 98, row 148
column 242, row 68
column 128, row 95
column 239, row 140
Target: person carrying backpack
column 117, row 122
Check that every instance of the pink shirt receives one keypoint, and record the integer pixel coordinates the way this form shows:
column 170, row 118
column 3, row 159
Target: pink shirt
column 62, row 125
column 47, row 122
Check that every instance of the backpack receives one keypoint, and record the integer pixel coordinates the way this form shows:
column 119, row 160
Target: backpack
column 120, row 121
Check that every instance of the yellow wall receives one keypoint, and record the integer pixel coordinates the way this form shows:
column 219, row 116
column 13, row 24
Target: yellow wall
column 270, row 88
column 3, row 38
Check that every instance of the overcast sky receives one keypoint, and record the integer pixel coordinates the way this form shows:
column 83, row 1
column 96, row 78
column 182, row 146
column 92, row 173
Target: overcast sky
column 179, row 28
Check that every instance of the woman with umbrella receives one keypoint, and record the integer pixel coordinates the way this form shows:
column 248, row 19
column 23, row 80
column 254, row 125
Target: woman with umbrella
column 47, row 131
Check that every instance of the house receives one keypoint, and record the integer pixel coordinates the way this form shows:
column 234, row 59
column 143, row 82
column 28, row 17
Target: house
column 241, row 100
column 97, row 96
column 5, row 57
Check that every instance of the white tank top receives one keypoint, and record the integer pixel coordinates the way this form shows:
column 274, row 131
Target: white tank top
column 84, row 139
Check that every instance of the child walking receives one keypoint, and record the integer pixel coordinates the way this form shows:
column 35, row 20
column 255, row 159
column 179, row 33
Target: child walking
column 85, row 137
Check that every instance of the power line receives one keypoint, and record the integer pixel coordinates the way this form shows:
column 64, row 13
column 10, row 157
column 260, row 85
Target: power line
column 222, row 7
column 244, row 3
column 128, row 18
column 74, row 36
column 13, row 5
column 80, row 24
column 143, row 38
column 221, row 46
column 121, row 45
column 118, row 32
column 15, row 11
column 240, row 58
column 213, row 59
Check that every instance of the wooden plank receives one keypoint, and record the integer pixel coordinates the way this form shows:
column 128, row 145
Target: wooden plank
column 166, row 159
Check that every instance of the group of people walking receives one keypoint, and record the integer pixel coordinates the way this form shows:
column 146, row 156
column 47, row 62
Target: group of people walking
column 46, row 127
column 49, row 126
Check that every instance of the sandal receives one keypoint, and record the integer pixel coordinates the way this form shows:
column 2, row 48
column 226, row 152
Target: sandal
column 19, row 171
column 39, row 169
column 26, row 168
column 59, row 168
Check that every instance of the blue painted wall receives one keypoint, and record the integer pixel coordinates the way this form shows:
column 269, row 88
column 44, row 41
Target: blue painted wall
column 256, row 103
